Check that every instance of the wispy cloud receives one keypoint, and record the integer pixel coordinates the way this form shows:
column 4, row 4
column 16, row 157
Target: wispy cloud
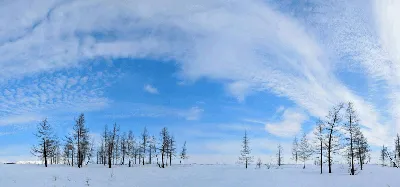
column 290, row 124
column 150, row 89
column 31, row 99
column 139, row 110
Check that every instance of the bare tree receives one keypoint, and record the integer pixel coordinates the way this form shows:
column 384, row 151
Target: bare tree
column 183, row 154
column 171, row 149
column 130, row 147
column 124, row 148
column 152, row 148
column 295, row 149
column 279, row 155
column 105, row 144
column 164, row 145
column 383, row 155
column 45, row 136
column 259, row 163
column 245, row 153
column 397, row 148
column 145, row 139
column 319, row 134
column 81, row 135
column 351, row 127
column 333, row 121
column 361, row 148
column 305, row 150
column 111, row 143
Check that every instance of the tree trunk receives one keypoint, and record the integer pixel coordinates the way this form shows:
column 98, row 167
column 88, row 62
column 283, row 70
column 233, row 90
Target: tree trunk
column 329, row 151
column 45, row 153
column 170, row 159
column 360, row 156
column 321, row 157
column 162, row 160
column 352, row 154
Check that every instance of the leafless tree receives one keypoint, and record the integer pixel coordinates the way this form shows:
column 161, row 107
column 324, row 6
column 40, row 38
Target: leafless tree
column 333, row 121
column 319, row 134
column 245, row 153
column 45, row 136
column 351, row 127
column 295, row 149
column 279, row 155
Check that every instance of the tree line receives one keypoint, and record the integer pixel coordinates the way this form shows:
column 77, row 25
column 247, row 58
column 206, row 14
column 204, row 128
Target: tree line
column 115, row 147
column 339, row 134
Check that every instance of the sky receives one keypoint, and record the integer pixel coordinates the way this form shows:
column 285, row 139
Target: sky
column 206, row 69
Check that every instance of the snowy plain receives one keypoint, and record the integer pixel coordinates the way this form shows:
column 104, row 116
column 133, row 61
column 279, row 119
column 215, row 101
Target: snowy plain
column 194, row 176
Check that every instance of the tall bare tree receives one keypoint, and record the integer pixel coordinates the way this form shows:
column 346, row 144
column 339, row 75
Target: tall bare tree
column 111, row 143
column 319, row 134
column 245, row 153
column 45, row 136
column 164, row 144
column 305, row 150
column 295, row 149
column 145, row 139
column 333, row 121
column 351, row 127
column 130, row 146
column 362, row 148
column 183, row 154
column 279, row 155
column 171, row 149
column 81, row 135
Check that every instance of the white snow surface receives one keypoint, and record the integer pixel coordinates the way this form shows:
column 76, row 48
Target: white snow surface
column 194, row 176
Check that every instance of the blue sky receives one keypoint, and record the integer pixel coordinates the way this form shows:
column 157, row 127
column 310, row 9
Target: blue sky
column 206, row 69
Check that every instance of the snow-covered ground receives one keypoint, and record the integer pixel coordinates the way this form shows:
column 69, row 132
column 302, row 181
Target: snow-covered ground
column 194, row 176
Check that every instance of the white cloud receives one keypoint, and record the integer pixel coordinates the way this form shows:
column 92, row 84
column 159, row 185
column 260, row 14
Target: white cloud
column 193, row 114
column 30, row 100
column 290, row 124
column 151, row 89
column 156, row 111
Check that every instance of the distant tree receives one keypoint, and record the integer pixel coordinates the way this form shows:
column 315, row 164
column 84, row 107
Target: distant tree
column 351, row 127
column 361, row 148
column 152, row 149
column 111, row 143
column 333, row 121
column 295, row 149
column 245, row 153
column 123, row 144
column 279, row 155
column 383, row 155
column 171, row 149
column 81, row 135
column 397, row 149
column 116, row 152
column 259, row 163
column 45, row 136
column 69, row 149
column 130, row 147
column 183, row 154
column 105, row 144
column 164, row 144
column 145, row 139
column 319, row 134
column 90, row 151
column 305, row 150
